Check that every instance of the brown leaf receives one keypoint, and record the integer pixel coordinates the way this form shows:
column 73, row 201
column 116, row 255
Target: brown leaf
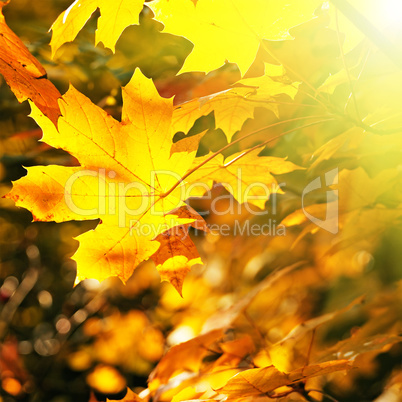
column 186, row 356
column 265, row 380
column 354, row 346
column 234, row 351
column 177, row 252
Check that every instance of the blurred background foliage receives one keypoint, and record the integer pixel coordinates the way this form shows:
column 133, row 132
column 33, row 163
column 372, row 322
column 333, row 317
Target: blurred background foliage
column 61, row 342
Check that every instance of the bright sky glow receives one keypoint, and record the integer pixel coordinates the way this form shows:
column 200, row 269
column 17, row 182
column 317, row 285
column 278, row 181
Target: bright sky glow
column 384, row 13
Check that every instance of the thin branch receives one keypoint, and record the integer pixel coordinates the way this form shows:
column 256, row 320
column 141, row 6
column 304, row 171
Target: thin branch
column 370, row 31
column 192, row 170
column 275, row 138
column 345, row 66
column 17, row 298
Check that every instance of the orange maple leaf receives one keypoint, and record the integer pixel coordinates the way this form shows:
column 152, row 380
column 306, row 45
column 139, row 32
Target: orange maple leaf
column 24, row 74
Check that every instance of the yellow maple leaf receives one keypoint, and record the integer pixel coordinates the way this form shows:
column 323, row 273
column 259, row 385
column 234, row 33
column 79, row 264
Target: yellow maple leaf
column 132, row 177
column 233, row 107
column 229, row 30
column 115, row 17
column 125, row 171
column 245, row 175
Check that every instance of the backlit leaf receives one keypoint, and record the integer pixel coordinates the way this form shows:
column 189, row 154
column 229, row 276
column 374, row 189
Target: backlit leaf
column 229, row 30
column 177, row 252
column 115, row 17
column 233, row 107
column 121, row 182
column 256, row 382
column 186, row 356
column 247, row 177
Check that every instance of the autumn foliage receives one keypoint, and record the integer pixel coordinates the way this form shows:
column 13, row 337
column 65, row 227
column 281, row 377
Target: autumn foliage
column 246, row 152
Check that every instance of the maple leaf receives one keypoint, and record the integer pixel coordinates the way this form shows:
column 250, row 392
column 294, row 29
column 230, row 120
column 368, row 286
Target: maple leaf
column 234, row 351
column 260, row 381
column 229, row 30
column 184, row 356
column 177, row 252
column 115, row 17
column 125, row 170
column 189, row 394
column 245, row 175
column 24, row 74
column 356, row 345
column 132, row 185
column 233, row 107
